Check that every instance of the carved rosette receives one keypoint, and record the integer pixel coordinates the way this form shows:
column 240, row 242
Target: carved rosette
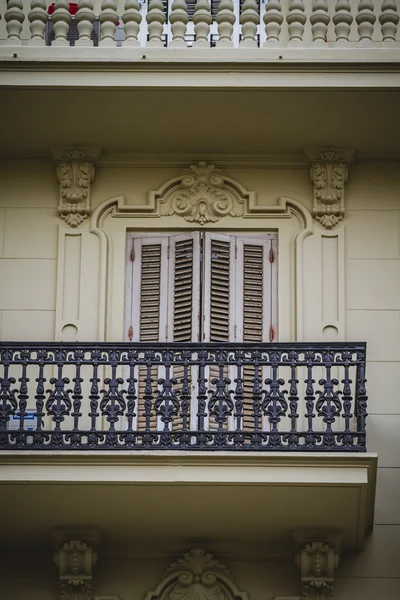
column 75, row 172
column 202, row 196
column 75, row 559
column 317, row 562
column 196, row 576
column 329, row 172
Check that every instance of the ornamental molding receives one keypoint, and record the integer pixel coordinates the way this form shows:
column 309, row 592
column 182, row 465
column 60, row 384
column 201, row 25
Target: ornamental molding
column 75, row 558
column 75, row 173
column 329, row 171
column 201, row 195
column 196, row 576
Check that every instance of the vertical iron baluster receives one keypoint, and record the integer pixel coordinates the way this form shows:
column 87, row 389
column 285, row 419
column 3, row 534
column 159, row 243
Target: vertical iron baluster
column 346, row 396
column 239, row 392
column 23, row 396
column 309, row 399
column 40, row 398
column 94, row 398
column 9, row 403
column 77, row 397
column 148, row 395
column 328, row 405
column 256, row 397
column 131, row 396
column 293, row 400
column 185, row 393
column 274, row 405
column 113, row 405
column 58, row 404
column 202, row 391
column 166, row 404
column 361, row 404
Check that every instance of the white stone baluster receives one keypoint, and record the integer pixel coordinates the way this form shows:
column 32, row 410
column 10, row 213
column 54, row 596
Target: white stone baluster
column 38, row 18
column 225, row 19
column 342, row 20
column 132, row 19
column 319, row 21
column 389, row 20
column 202, row 20
column 365, row 20
column 179, row 19
column 61, row 22
column 273, row 21
column 155, row 19
column 14, row 17
column 296, row 20
column 249, row 20
column 108, row 22
column 85, row 19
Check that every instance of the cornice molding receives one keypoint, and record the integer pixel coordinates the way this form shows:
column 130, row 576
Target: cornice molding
column 257, row 161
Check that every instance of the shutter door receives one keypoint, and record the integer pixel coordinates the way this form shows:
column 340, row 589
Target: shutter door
column 219, row 312
column 255, row 311
column 183, row 316
column 149, row 297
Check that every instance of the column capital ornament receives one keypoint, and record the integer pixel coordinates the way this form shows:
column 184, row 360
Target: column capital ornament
column 317, row 561
column 75, row 172
column 75, row 559
column 329, row 171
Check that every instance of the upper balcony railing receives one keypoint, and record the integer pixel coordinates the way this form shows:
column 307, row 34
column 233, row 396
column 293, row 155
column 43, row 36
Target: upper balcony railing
column 183, row 396
column 183, row 24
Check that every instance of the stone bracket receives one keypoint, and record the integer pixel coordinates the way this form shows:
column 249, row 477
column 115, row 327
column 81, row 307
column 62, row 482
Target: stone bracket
column 75, row 172
column 75, row 557
column 329, row 171
column 317, row 560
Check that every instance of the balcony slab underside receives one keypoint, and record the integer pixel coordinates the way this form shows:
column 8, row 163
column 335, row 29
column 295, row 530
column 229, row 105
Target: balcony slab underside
column 180, row 498
column 193, row 122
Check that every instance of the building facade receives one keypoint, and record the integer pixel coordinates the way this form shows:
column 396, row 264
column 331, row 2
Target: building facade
column 200, row 300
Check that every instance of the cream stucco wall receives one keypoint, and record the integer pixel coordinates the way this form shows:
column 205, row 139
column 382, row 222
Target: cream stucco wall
column 52, row 276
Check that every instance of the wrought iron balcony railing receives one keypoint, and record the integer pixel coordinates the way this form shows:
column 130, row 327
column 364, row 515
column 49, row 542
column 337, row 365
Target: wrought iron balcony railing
column 183, row 396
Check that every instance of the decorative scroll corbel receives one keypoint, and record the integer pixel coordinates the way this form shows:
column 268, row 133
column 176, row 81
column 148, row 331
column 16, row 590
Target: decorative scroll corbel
column 75, row 172
column 317, row 561
column 75, row 559
column 329, row 172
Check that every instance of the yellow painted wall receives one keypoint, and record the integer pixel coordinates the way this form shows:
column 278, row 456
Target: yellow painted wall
column 368, row 288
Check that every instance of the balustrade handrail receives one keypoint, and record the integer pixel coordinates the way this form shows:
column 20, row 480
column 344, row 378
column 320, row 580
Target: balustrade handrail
column 201, row 24
column 183, row 396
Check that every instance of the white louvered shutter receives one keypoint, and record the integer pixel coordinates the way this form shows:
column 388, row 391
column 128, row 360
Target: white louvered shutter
column 255, row 307
column 184, row 309
column 148, row 301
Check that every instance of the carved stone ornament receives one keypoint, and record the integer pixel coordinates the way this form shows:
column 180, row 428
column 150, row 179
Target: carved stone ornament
column 75, row 172
column 75, row 559
column 203, row 194
column 329, row 171
column 317, row 562
column 196, row 576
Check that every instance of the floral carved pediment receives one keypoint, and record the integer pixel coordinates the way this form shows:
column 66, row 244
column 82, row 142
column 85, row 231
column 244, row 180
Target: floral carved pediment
column 202, row 194
column 196, row 576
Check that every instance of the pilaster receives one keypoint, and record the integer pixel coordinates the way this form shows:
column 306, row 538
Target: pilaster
column 75, row 172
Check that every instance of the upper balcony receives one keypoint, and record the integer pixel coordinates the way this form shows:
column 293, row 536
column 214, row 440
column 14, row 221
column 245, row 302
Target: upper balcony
column 253, row 31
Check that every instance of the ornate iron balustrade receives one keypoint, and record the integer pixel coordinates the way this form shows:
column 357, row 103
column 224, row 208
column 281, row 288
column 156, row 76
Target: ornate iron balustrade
column 183, row 396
